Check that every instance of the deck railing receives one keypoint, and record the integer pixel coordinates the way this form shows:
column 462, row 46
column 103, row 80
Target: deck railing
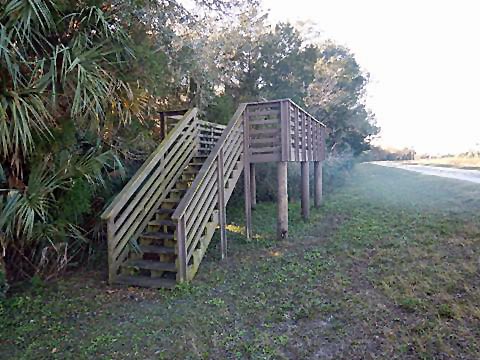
column 202, row 208
column 128, row 215
column 281, row 130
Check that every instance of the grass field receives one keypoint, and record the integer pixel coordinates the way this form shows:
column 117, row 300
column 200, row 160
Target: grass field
column 454, row 161
column 388, row 268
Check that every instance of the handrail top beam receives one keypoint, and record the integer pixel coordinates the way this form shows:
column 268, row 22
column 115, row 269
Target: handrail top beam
column 292, row 102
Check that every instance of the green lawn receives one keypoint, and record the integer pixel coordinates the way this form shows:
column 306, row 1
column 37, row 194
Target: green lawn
column 389, row 267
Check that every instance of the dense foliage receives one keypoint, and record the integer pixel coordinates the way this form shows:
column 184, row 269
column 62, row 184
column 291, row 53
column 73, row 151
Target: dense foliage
column 81, row 83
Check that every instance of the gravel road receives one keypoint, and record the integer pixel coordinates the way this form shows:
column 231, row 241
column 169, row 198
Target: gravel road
column 459, row 174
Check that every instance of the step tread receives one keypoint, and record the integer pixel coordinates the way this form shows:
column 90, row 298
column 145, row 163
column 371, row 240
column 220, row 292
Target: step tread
column 162, row 222
column 157, row 235
column 145, row 281
column 165, row 211
column 151, row 265
column 156, row 249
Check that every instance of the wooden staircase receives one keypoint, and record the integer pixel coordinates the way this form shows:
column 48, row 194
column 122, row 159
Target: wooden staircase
column 161, row 223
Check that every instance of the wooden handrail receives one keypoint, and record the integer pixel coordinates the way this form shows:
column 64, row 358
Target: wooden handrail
column 209, row 162
column 292, row 102
column 133, row 184
column 129, row 213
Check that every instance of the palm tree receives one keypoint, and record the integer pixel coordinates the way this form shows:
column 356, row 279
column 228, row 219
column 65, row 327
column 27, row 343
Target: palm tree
column 61, row 97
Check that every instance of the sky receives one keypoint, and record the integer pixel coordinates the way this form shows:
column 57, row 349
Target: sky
column 423, row 57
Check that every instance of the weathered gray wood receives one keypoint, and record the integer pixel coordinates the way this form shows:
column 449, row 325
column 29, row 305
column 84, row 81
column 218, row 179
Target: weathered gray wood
column 285, row 130
column 265, row 150
column 246, row 179
column 221, row 205
column 305, row 190
column 259, row 158
column 253, row 186
column 150, row 163
column 265, row 132
column 297, row 134
column 182, row 252
column 318, row 183
column 204, row 171
column 282, row 201
column 112, row 269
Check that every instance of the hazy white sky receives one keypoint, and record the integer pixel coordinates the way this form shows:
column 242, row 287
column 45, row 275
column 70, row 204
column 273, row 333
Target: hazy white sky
column 424, row 61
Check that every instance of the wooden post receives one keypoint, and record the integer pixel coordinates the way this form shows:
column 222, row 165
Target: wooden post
column 112, row 270
column 222, row 218
column 246, row 178
column 182, row 250
column 253, row 186
column 282, row 201
column 318, row 183
column 305, row 190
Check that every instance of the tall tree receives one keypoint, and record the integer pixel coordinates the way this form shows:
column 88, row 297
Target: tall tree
column 337, row 97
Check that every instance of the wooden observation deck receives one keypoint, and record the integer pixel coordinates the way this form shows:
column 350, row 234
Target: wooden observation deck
column 160, row 225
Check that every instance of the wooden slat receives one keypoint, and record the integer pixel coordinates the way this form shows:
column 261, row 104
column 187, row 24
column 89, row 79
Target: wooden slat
column 265, row 122
column 263, row 132
column 142, row 173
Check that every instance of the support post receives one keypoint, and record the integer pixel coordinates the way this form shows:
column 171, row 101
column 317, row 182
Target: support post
column 246, row 178
column 112, row 270
column 222, row 216
column 318, row 183
column 305, row 190
column 253, row 186
column 182, row 250
column 282, row 201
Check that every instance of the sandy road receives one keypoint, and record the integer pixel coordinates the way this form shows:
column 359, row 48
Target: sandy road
column 459, row 174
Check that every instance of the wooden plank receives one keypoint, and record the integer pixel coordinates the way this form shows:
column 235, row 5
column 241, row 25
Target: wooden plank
column 285, row 132
column 297, row 144
column 265, row 122
column 265, row 149
column 260, row 141
column 221, row 205
column 282, row 201
column 264, row 132
column 156, row 182
column 246, row 179
column 152, row 160
column 260, row 158
column 182, row 253
column 303, row 135
column 187, row 198
column 153, row 204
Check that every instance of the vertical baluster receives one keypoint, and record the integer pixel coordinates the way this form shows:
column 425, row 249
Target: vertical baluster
column 221, row 204
column 182, row 250
column 246, row 177
column 112, row 268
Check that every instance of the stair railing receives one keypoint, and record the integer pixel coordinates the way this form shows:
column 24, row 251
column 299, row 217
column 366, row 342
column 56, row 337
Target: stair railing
column 129, row 213
column 206, row 199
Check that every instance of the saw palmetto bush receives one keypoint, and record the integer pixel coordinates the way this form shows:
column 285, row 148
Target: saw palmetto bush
column 64, row 101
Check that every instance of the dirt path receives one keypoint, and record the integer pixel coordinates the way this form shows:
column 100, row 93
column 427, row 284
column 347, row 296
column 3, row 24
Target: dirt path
column 459, row 174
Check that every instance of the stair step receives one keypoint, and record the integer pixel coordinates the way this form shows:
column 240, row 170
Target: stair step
column 145, row 281
column 151, row 265
column 154, row 249
column 157, row 235
column 162, row 223
column 171, row 201
column 165, row 211
column 191, row 171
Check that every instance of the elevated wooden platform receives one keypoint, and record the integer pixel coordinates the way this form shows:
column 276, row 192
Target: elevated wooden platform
column 160, row 225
